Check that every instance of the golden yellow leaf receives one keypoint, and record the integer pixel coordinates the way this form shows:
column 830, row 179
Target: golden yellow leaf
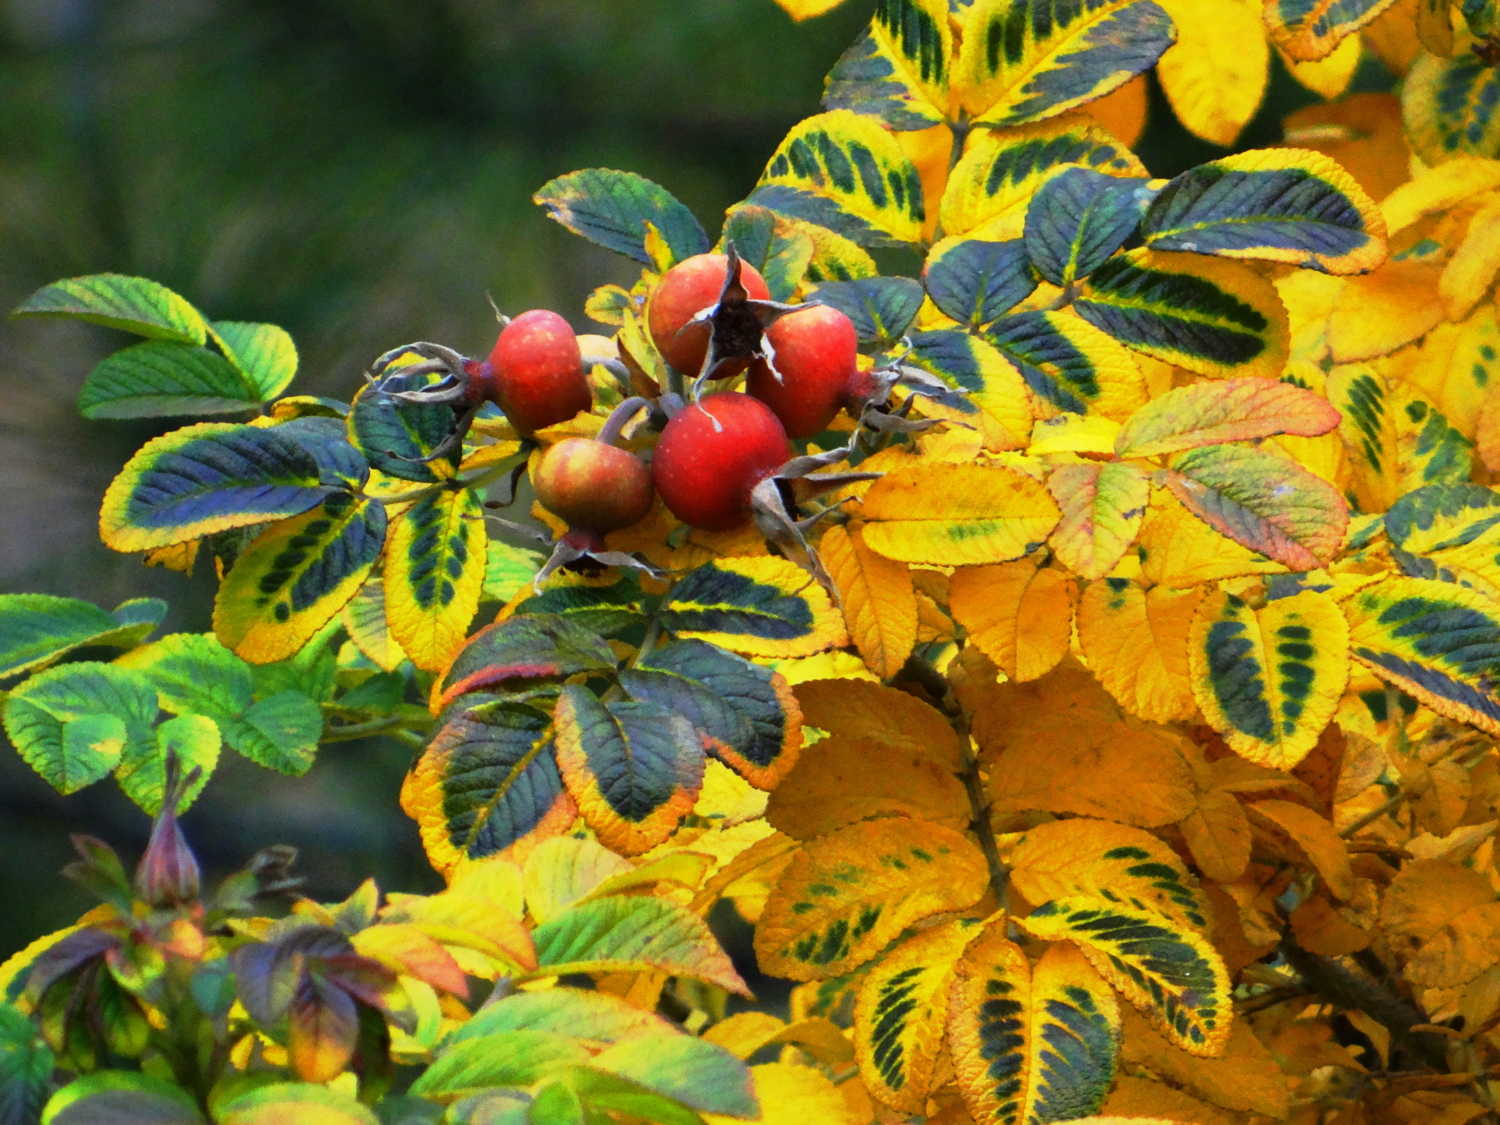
column 1218, row 835
column 801, row 10
column 1178, row 549
column 1458, row 366
column 744, row 1033
column 847, row 894
column 1362, row 132
column 1335, row 930
column 1123, row 112
column 841, row 779
column 1392, row 37
column 1379, row 312
column 1102, row 508
column 1245, row 1077
column 1466, row 946
column 1019, row 615
column 952, row 515
column 1470, row 272
column 1316, row 838
column 1059, row 744
column 560, row 871
column 1438, row 189
column 794, row 1095
column 1215, row 74
column 1327, row 77
column 1135, row 1098
column 1135, row 641
column 880, row 609
column 863, row 709
column 1425, row 896
column 434, row 572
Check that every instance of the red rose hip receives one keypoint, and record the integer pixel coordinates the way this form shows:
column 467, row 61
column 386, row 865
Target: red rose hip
column 593, row 485
column 536, row 372
column 816, row 352
column 684, row 291
column 712, row 455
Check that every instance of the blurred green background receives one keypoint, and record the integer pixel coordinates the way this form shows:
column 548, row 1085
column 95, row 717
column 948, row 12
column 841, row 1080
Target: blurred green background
column 359, row 172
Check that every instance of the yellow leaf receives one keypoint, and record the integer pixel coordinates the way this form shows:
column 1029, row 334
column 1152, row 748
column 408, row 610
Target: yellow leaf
column 1136, row 642
column 745, row 1033
column 1327, row 77
column 1392, row 36
column 1309, row 298
column 1135, row 1098
column 1059, row 744
column 1215, row 74
column 902, row 1011
column 1245, row 1077
column 1335, row 931
column 1123, row 112
column 1362, row 132
column 1073, row 433
column 1316, row 837
column 1470, row 272
column 880, row 608
column 801, row 10
column 1102, row 509
column 794, row 1095
column 930, row 151
column 847, row 894
column 840, row 780
column 1425, row 896
column 560, row 871
column 1439, row 189
column 951, row 515
column 1019, row 615
column 1458, row 366
column 1019, row 1033
column 1178, row 549
column 866, row 710
column 1218, row 834
column 1107, row 861
column 364, row 618
column 434, row 571
column 1466, row 946
column 1376, row 313
column 494, row 879
column 1269, row 680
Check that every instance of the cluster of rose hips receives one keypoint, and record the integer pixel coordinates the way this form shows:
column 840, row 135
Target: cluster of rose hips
column 710, row 316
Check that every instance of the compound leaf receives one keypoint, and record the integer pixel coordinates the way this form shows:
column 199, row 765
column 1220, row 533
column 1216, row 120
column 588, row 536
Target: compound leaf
column 434, row 570
column 759, row 606
column 114, row 300
column 612, row 208
column 847, row 894
column 1236, row 410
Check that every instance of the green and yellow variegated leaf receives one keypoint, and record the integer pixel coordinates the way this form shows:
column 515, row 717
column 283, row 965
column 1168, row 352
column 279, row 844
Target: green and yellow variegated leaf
column 846, row 895
column 1110, row 861
column 37, row 629
column 948, row 515
column 898, row 70
column 614, row 209
column 634, row 768
column 296, row 575
column 1102, row 508
column 606, row 603
column 1459, row 364
column 902, row 1012
column 844, row 172
column 1277, row 205
column 975, row 281
column 364, row 620
column 1070, row 365
column 773, row 244
column 1397, row 440
column 1211, row 316
column 1435, row 641
column 74, row 723
column 759, row 606
column 207, row 478
column 1237, row 410
column 1025, row 61
column 434, row 569
column 1269, row 680
column 1449, row 532
column 132, row 304
column 1078, row 218
column 1136, row 643
column 1311, row 29
column 263, row 353
column 541, row 647
column 1449, row 107
column 1263, row 501
column 972, row 364
column 834, row 257
column 1168, row 971
column 399, row 438
column 1001, row 169
column 1031, row 1044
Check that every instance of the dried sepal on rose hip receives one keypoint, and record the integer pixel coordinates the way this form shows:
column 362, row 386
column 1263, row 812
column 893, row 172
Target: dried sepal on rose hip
column 594, row 487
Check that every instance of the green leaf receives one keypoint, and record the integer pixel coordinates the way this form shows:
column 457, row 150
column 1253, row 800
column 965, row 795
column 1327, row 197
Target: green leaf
column 1263, row 501
column 1027, row 60
column 1070, row 364
column 507, row 569
column 975, row 282
column 755, row 606
column 568, row 1011
column 116, row 301
column 1312, row 29
column 488, row 779
column 195, row 674
column 882, row 308
column 506, row 1058
column 898, row 70
column 1211, row 316
column 606, row 610
column 280, row 732
column 844, row 172
column 533, row 647
column 1448, row 106
column 772, row 244
column 121, row 1097
column 161, row 378
column 1436, row 641
column 36, row 629
column 207, row 478
column 591, row 1094
column 396, row 436
column 634, row 769
column 692, row 1071
column 1078, row 219
column 263, row 353
column 1173, row 975
column 302, row 1102
column 631, row 934
column 73, row 724
column 744, row 713
column 193, row 738
column 1278, row 205
column 612, row 208
column 292, row 580
column 25, row 1068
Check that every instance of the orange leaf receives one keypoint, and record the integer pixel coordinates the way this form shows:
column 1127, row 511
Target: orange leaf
column 1019, row 615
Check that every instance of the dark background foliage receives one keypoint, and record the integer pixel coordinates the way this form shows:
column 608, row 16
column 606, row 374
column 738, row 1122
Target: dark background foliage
column 359, row 172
